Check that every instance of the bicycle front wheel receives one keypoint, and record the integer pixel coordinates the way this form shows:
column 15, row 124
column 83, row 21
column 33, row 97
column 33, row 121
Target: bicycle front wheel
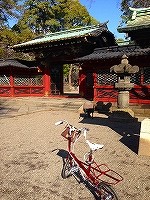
column 66, row 171
column 106, row 192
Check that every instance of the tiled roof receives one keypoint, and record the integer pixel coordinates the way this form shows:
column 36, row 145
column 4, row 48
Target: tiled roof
column 140, row 19
column 12, row 63
column 19, row 63
column 65, row 35
column 114, row 52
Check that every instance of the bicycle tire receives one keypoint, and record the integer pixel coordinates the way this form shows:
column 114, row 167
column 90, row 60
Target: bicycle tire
column 66, row 170
column 106, row 192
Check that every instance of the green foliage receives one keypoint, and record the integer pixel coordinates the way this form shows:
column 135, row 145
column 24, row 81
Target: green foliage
column 66, row 69
column 75, row 15
column 2, row 52
column 9, row 37
column 8, row 9
column 38, row 17
column 54, row 15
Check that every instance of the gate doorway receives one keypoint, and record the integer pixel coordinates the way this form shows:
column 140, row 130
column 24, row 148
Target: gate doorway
column 89, row 85
column 56, row 80
column 71, row 79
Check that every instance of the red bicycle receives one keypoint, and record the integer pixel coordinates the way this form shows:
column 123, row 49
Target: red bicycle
column 98, row 176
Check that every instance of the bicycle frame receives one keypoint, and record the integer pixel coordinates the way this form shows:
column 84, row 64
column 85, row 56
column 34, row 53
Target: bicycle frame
column 94, row 172
column 92, row 168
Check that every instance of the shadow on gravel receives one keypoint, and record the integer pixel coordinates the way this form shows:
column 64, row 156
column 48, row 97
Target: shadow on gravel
column 6, row 109
column 77, row 175
column 3, row 103
column 129, row 131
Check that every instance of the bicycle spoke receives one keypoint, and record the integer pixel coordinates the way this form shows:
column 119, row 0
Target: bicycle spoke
column 106, row 192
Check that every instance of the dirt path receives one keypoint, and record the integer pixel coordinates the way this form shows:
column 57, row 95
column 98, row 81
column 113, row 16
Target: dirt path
column 31, row 157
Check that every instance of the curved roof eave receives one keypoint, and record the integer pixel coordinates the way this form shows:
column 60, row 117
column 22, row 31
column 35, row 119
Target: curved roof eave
column 64, row 35
column 12, row 63
column 114, row 52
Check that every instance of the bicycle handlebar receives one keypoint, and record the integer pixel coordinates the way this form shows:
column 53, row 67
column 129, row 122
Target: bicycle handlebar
column 72, row 128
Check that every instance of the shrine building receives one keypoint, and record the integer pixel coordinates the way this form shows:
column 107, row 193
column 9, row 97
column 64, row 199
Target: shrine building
column 94, row 50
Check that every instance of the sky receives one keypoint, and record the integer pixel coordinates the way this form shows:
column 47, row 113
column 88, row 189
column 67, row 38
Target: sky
column 106, row 10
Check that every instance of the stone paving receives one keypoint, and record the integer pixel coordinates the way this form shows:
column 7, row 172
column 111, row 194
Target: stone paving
column 32, row 150
column 10, row 107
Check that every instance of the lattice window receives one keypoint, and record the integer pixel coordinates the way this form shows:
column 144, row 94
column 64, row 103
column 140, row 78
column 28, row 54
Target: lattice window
column 146, row 73
column 104, row 77
column 36, row 81
column 28, row 81
column 22, row 80
column 4, row 80
column 135, row 78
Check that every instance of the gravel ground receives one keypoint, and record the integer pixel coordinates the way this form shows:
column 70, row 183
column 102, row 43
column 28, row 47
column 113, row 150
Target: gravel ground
column 32, row 150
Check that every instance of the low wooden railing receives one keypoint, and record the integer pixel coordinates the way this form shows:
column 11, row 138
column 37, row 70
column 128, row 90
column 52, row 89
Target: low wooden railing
column 16, row 91
column 107, row 93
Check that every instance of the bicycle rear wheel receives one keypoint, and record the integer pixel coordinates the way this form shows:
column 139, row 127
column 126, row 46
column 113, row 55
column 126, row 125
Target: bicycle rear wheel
column 66, row 171
column 106, row 192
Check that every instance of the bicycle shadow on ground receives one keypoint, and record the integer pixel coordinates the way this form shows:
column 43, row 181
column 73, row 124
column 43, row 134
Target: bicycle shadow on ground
column 129, row 131
column 61, row 153
column 64, row 154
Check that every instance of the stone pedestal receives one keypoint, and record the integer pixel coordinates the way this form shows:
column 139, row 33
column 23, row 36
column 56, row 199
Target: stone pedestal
column 123, row 99
column 123, row 113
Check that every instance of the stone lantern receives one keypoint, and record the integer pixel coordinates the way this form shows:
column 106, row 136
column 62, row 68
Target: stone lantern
column 124, row 71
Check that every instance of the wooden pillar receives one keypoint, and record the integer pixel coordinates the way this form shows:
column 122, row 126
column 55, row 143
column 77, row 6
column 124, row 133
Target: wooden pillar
column 12, row 93
column 94, row 86
column 61, row 80
column 82, row 83
column 142, row 76
column 47, row 82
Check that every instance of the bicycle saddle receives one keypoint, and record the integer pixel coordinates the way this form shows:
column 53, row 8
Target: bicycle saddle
column 94, row 146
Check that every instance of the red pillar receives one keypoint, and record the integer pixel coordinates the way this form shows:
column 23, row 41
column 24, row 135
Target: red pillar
column 94, row 87
column 142, row 79
column 47, row 82
column 82, row 83
column 11, row 84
